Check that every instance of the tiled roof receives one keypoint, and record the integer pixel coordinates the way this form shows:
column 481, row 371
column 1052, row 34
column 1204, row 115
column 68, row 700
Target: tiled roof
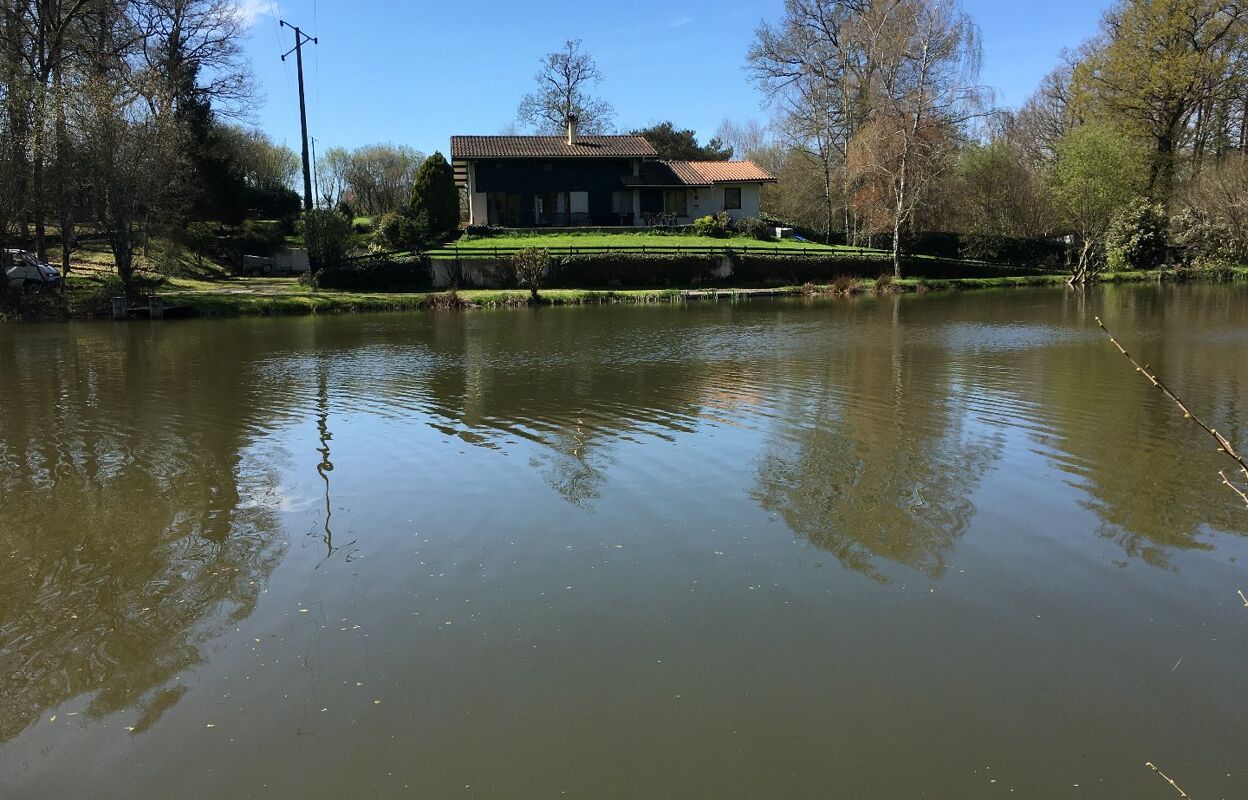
column 723, row 171
column 697, row 173
column 661, row 173
column 468, row 147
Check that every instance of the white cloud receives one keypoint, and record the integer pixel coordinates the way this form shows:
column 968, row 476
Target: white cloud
column 680, row 22
column 251, row 10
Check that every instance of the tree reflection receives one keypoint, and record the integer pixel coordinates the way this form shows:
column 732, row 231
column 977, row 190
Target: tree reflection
column 134, row 528
column 872, row 462
column 1147, row 472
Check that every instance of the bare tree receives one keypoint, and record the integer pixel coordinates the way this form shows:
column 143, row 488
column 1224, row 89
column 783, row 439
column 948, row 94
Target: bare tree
column 809, row 68
column 563, row 82
column 381, row 176
column 928, row 57
column 331, row 175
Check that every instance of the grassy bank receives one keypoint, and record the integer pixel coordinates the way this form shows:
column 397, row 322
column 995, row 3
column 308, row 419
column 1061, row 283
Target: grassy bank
column 285, row 296
column 274, row 296
column 640, row 242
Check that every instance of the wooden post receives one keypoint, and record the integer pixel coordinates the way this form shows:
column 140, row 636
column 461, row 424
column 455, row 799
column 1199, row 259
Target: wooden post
column 119, row 308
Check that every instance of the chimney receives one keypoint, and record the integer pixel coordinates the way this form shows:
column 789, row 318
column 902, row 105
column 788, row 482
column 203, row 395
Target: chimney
column 572, row 119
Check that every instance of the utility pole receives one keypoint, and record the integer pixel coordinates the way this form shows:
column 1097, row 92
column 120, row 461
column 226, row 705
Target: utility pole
column 300, row 39
column 316, row 199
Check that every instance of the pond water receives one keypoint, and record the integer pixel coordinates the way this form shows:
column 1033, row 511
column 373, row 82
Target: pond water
column 920, row 546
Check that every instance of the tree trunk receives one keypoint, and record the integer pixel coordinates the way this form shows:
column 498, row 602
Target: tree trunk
column 64, row 202
column 899, row 212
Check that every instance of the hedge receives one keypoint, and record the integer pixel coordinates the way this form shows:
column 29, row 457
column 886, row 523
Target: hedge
column 382, row 275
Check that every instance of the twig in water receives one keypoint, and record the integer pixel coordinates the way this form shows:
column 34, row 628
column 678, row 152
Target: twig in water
column 1242, row 597
column 1224, row 444
column 1169, row 780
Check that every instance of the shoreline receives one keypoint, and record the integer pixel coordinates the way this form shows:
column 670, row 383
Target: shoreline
column 282, row 297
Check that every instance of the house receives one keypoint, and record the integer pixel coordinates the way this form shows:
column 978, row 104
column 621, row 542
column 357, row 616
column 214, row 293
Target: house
column 574, row 180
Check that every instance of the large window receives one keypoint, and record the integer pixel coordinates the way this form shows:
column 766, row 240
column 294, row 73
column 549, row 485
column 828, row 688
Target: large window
column 732, row 197
column 676, row 201
column 503, row 209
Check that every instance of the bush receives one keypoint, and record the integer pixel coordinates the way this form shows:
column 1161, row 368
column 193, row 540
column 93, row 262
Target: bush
column 328, row 235
column 398, row 232
column 381, row 275
column 1198, row 236
column 638, row 270
column 756, row 229
column 1137, row 237
column 532, row 264
column 716, row 225
column 201, row 239
column 435, row 195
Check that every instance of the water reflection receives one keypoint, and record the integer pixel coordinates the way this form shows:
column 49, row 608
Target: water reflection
column 132, row 531
column 874, row 458
column 141, row 490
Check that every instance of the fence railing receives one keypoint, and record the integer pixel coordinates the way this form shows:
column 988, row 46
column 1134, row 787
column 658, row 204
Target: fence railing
column 508, row 250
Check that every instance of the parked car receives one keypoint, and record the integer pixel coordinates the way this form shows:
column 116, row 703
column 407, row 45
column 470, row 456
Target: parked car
column 23, row 269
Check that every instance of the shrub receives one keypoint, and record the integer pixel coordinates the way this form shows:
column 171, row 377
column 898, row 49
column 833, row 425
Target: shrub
column 397, row 232
column 716, row 225
column 1198, row 236
column 382, row 275
column 435, row 195
column 884, row 283
column 844, row 284
column 601, row 270
column 328, row 235
column 756, row 229
column 532, row 264
column 1137, row 236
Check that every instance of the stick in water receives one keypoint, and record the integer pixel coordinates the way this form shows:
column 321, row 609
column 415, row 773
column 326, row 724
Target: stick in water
column 1224, row 444
column 1169, row 780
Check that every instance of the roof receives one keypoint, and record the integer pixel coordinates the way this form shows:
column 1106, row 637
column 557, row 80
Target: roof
column 724, row 171
column 698, row 173
column 469, row 147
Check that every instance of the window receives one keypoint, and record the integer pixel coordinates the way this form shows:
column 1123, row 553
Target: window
column 621, row 202
column 732, row 197
column 676, row 201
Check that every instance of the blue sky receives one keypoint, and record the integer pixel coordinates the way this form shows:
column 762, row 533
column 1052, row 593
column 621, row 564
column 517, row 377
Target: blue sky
column 416, row 72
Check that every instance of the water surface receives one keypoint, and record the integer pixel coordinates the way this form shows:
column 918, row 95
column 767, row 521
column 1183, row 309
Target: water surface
column 920, row 546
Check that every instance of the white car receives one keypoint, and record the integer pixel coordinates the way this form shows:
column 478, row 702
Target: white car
column 24, row 269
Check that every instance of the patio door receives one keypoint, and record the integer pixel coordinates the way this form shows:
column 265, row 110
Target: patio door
column 676, row 201
column 503, row 209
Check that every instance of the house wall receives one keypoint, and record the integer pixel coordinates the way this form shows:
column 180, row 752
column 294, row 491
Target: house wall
column 706, row 200
column 476, row 199
column 751, row 196
column 530, row 177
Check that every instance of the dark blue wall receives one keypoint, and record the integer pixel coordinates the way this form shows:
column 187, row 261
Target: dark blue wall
column 525, row 177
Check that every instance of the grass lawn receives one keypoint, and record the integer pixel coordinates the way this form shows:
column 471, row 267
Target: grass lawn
column 627, row 242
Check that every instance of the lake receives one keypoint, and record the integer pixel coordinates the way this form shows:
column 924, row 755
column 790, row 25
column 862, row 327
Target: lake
column 942, row 545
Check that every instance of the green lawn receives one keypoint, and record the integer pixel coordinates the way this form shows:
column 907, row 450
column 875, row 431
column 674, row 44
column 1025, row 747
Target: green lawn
column 626, row 242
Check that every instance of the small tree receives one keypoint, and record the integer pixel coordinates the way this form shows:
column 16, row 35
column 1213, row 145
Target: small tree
column 434, row 194
column 328, row 234
column 1098, row 172
column 532, row 265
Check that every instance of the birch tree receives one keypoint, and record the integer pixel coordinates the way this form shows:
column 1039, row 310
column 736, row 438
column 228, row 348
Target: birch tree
column 928, row 57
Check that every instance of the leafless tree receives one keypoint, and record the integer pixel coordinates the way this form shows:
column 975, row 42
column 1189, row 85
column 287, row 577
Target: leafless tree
column 563, row 82
column 928, row 56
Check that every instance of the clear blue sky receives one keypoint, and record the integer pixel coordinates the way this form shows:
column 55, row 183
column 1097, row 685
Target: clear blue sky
column 416, row 72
